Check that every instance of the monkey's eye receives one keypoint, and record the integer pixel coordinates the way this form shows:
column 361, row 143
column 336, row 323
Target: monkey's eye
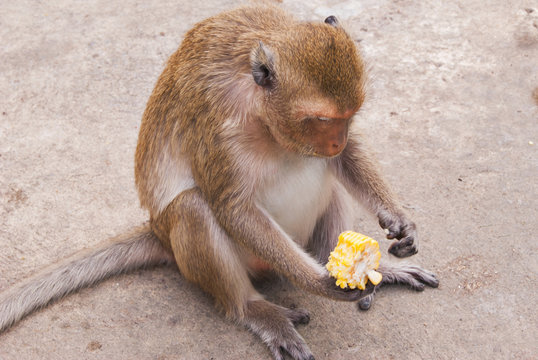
column 324, row 119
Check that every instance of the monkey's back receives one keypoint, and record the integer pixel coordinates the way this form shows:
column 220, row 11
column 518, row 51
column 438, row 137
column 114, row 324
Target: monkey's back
column 210, row 63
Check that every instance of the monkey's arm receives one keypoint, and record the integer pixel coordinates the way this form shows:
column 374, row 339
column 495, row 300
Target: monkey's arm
column 253, row 228
column 359, row 174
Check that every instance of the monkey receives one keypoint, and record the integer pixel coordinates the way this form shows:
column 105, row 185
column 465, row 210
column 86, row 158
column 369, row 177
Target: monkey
column 248, row 162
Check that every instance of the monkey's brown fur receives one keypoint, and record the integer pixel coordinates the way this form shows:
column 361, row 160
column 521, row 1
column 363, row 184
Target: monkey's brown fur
column 245, row 159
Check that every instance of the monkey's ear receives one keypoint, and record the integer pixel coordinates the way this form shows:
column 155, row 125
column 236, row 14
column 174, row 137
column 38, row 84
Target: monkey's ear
column 262, row 63
column 332, row 20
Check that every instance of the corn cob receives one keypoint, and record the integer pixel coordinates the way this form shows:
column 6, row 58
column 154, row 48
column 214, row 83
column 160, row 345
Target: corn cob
column 354, row 260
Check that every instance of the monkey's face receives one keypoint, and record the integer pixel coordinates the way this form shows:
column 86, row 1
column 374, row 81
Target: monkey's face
column 313, row 80
column 315, row 128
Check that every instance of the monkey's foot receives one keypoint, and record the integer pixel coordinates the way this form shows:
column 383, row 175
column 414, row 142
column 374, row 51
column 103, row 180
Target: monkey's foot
column 298, row 316
column 412, row 275
column 292, row 344
column 275, row 326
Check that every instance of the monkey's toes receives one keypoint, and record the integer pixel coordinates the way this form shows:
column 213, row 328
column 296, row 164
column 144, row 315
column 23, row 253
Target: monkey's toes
column 298, row 316
column 295, row 348
column 417, row 278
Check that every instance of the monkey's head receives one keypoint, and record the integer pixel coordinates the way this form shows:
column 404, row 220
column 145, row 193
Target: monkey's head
column 312, row 78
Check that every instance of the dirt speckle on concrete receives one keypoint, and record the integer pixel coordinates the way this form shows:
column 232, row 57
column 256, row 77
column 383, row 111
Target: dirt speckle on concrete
column 471, row 272
column 94, row 345
column 16, row 196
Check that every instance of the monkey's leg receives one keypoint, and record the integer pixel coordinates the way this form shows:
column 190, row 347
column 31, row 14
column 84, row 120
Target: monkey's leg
column 405, row 274
column 208, row 257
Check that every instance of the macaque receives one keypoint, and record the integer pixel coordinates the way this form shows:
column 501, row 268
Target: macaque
column 247, row 162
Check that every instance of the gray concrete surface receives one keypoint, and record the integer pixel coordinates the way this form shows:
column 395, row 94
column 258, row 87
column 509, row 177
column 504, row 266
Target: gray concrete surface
column 449, row 113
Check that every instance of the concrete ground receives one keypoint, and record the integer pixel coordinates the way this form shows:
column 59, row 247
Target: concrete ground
column 450, row 114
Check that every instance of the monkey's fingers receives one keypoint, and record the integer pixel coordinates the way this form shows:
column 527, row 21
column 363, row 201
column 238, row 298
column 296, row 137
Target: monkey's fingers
column 393, row 233
column 397, row 225
column 404, row 247
column 407, row 274
column 414, row 276
column 400, row 229
column 337, row 293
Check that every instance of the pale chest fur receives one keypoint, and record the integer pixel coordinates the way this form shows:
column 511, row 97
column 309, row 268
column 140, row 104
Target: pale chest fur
column 296, row 195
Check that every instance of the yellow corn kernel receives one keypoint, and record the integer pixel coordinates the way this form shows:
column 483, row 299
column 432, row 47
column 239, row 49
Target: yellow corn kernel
column 354, row 260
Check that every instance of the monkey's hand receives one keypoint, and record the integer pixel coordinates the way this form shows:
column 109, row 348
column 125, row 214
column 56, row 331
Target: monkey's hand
column 337, row 293
column 398, row 226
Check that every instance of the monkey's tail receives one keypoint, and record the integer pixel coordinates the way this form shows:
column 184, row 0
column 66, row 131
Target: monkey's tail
column 137, row 249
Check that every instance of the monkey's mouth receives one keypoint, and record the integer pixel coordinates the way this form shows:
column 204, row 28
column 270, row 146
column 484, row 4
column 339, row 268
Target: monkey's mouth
column 327, row 156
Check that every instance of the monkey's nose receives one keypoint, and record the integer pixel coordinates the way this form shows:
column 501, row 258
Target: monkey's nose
column 334, row 148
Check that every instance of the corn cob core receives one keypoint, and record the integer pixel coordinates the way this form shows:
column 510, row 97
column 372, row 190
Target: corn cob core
column 354, row 260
